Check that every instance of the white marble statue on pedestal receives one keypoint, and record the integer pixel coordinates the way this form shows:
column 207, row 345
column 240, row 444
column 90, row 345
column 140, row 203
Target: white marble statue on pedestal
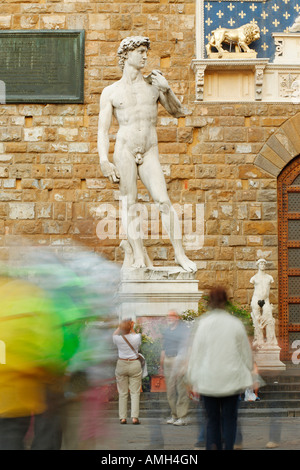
column 263, row 321
column 133, row 100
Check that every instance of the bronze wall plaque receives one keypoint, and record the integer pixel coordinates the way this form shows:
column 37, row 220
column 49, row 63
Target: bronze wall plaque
column 42, row 66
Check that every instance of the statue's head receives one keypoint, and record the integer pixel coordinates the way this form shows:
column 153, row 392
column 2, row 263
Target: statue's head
column 129, row 44
column 261, row 263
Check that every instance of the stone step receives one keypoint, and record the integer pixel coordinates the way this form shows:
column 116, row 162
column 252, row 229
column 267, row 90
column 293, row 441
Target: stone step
column 281, row 387
column 279, row 394
column 161, row 405
column 243, row 413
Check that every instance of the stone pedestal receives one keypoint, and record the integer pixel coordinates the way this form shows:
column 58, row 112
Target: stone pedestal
column 152, row 292
column 268, row 358
column 233, row 55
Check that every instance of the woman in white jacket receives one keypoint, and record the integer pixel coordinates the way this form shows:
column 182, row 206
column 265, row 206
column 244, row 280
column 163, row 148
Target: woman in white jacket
column 219, row 369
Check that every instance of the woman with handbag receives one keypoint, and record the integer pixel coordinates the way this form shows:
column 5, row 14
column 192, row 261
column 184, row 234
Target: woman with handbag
column 128, row 370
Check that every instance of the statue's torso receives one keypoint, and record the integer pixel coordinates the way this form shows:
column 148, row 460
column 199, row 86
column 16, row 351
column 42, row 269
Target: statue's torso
column 262, row 283
column 135, row 108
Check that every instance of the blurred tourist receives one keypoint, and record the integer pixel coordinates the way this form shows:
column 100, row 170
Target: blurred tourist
column 128, row 370
column 172, row 362
column 219, row 369
column 30, row 382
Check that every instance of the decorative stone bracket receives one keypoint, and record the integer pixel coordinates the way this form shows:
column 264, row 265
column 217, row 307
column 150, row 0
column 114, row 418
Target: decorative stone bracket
column 220, row 72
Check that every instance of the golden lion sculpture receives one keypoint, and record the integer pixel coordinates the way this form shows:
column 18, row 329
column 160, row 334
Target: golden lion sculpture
column 241, row 37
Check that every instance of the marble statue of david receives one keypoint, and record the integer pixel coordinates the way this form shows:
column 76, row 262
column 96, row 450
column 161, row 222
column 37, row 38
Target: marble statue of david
column 262, row 317
column 134, row 100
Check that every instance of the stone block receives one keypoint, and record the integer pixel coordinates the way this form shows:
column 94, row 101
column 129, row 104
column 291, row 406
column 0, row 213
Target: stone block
column 272, row 155
column 10, row 196
column 53, row 21
column 27, row 227
column 43, row 210
column 267, row 195
column 99, row 21
column 9, row 183
column 255, row 212
column 259, row 228
column 243, row 148
column 280, row 148
column 269, row 210
column 182, row 171
column 205, row 171
column 265, row 164
column 55, row 227
column 3, row 172
column 5, row 21
column 236, row 240
column 216, row 134
column 21, row 210
column 78, row 147
column 10, row 134
column 250, row 171
column 33, row 134
column 253, row 240
column 92, row 183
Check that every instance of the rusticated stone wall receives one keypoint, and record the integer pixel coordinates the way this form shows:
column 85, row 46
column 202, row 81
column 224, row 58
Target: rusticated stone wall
column 50, row 179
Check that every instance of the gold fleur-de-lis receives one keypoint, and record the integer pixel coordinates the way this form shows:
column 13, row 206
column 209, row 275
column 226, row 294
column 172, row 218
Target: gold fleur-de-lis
column 286, row 15
column 264, row 15
column 220, row 14
column 242, row 14
column 264, row 46
column 253, row 7
column 275, row 7
column 276, row 23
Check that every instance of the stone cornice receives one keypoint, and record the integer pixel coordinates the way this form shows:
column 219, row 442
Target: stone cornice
column 228, row 63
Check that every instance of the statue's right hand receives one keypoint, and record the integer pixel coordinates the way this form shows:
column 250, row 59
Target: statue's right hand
column 110, row 171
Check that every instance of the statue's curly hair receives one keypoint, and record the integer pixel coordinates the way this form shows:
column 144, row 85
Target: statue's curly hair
column 129, row 44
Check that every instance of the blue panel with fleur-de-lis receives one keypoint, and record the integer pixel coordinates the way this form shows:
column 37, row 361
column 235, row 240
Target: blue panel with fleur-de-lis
column 272, row 16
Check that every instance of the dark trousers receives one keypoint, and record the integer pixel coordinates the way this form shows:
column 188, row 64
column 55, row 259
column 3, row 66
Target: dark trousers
column 47, row 432
column 221, row 415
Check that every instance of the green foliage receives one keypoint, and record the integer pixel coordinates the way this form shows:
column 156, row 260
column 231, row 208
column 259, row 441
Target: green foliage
column 191, row 315
column 239, row 311
column 151, row 350
column 243, row 313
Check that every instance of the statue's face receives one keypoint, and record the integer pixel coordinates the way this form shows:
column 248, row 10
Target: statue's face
column 138, row 57
column 256, row 34
column 262, row 266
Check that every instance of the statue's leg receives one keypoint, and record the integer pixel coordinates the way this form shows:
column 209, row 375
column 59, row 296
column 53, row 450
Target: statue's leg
column 152, row 176
column 258, row 331
column 269, row 321
column 128, row 192
column 244, row 46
